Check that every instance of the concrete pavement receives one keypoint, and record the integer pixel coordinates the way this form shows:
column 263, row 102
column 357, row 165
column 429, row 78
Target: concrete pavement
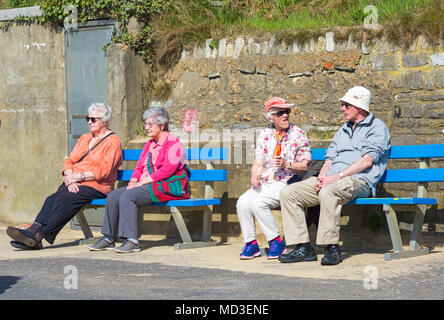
column 362, row 275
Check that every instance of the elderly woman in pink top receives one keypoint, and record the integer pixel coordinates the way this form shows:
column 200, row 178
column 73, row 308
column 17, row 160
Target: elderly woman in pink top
column 160, row 175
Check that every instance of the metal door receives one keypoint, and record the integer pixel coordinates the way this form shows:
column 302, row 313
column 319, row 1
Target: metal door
column 86, row 73
column 86, row 82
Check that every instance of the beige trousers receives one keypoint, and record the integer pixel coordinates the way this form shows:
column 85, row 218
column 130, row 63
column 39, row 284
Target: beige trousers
column 300, row 195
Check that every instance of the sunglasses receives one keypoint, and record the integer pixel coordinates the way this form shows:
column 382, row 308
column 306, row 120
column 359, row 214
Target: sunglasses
column 346, row 104
column 281, row 113
column 93, row 120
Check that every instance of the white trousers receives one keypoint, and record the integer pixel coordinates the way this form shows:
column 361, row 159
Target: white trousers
column 256, row 203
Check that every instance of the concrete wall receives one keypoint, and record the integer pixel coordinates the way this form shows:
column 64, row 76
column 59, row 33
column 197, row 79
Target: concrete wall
column 33, row 118
column 33, row 115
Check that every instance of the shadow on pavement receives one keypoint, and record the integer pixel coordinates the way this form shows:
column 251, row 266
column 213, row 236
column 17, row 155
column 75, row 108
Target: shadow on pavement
column 6, row 282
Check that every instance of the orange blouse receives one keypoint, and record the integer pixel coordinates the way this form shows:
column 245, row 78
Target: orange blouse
column 103, row 161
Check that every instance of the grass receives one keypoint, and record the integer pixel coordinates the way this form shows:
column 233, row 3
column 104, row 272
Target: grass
column 9, row 4
column 191, row 22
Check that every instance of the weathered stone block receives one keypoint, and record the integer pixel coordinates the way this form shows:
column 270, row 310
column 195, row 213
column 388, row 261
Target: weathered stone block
column 384, row 63
column 437, row 59
column 238, row 46
column 439, row 80
column 330, row 41
column 222, row 48
column 413, row 111
column 414, row 60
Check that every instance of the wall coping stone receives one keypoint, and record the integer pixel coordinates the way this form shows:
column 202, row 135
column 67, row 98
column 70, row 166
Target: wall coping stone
column 11, row 14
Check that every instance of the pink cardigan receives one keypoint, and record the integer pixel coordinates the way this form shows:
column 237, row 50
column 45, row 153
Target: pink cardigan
column 170, row 160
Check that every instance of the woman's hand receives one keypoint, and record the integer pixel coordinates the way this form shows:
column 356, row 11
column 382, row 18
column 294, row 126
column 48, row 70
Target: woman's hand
column 73, row 187
column 144, row 181
column 69, row 180
column 131, row 185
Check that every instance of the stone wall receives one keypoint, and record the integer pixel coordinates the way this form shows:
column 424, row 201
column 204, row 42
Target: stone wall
column 228, row 81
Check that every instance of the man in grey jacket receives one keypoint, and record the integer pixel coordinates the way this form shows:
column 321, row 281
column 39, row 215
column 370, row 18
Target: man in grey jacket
column 354, row 163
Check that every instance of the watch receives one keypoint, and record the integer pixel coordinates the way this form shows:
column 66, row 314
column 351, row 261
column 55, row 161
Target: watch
column 341, row 174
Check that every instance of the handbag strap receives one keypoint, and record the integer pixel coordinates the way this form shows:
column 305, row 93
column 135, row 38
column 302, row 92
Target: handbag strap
column 94, row 146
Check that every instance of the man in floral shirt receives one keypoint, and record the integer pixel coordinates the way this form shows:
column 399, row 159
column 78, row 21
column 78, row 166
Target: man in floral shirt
column 282, row 150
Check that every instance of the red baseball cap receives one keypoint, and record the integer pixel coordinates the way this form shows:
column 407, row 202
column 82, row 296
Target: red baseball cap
column 277, row 102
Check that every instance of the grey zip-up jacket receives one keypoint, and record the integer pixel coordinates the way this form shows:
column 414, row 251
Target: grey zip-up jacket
column 371, row 137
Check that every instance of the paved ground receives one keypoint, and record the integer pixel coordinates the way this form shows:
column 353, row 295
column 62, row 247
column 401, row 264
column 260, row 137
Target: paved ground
column 69, row 271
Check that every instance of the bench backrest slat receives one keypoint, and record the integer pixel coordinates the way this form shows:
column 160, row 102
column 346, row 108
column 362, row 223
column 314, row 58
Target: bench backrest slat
column 190, row 154
column 413, row 175
column 417, row 151
column 398, row 152
column 196, row 175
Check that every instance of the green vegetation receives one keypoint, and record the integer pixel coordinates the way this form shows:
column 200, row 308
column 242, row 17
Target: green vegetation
column 167, row 26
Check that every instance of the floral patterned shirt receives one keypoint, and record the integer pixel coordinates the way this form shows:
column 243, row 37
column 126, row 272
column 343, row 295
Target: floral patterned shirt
column 295, row 148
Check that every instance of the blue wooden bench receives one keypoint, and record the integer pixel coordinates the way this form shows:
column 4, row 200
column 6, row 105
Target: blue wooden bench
column 209, row 175
column 418, row 204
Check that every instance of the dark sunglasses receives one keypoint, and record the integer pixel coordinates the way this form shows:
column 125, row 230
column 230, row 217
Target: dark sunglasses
column 281, row 113
column 346, row 104
column 92, row 119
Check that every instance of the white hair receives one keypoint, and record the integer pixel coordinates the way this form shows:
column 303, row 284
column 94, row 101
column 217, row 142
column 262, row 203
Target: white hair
column 159, row 115
column 104, row 109
column 270, row 112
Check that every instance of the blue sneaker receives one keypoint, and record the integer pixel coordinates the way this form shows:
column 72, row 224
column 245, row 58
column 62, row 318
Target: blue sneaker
column 276, row 249
column 250, row 251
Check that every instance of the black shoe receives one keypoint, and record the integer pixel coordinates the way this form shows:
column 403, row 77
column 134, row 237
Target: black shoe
column 22, row 246
column 332, row 255
column 303, row 252
column 22, row 236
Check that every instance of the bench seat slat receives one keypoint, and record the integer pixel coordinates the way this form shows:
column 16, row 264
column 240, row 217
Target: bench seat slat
column 390, row 201
column 176, row 203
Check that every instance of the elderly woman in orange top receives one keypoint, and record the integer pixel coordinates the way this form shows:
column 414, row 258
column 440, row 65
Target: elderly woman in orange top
column 89, row 172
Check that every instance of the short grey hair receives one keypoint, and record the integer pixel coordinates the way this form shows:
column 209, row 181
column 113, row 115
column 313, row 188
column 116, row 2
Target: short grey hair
column 104, row 110
column 159, row 115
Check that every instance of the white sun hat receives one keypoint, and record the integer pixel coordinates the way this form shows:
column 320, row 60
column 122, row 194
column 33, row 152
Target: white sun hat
column 359, row 97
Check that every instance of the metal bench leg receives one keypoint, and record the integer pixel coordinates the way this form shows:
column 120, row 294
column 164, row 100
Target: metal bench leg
column 185, row 235
column 206, row 228
column 89, row 237
column 84, row 224
column 395, row 235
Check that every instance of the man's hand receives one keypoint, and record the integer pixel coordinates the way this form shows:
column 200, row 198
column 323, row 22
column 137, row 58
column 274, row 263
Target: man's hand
column 255, row 181
column 325, row 181
column 278, row 162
